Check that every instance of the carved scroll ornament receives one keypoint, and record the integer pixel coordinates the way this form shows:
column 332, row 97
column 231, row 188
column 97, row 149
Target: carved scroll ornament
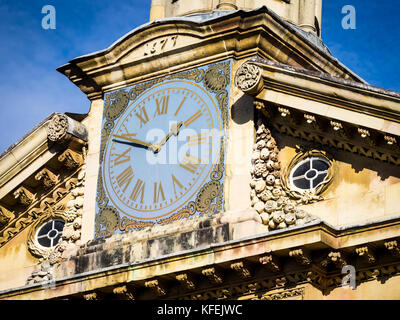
column 248, row 78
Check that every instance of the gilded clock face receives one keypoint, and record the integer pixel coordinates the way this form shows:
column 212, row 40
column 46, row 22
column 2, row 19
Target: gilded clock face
column 160, row 153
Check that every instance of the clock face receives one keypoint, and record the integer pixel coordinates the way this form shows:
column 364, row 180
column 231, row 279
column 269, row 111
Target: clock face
column 160, row 154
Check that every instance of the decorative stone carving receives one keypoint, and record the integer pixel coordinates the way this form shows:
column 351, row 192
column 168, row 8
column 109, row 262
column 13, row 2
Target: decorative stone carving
column 335, row 257
column 364, row 132
column 157, row 287
column 48, row 178
column 248, row 78
column 71, row 235
column 336, row 126
column 213, row 275
column 186, row 280
column 301, row 256
column 280, row 281
column 91, row 296
column 291, row 294
column 242, row 269
column 390, row 140
column 123, row 293
column 366, row 135
column 268, row 197
column 5, row 217
column 367, row 254
column 283, row 112
column 339, row 129
column 44, row 274
column 271, row 262
column 57, row 128
column 71, row 159
column 24, row 196
column 61, row 128
column 393, row 248
column 310, row 118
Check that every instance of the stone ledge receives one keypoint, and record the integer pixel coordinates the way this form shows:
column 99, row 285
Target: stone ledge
column 163, row 240
column 316, row 236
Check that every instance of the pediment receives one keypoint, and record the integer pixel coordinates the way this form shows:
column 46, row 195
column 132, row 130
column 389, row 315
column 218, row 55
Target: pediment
column 324, row 110
column 171, row 44
column 39, row 173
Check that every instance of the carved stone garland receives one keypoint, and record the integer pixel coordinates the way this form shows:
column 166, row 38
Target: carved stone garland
column 268, row 197
column 71, row 234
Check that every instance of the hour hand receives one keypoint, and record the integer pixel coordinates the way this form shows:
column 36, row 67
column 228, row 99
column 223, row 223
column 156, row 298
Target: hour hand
column 134, row 141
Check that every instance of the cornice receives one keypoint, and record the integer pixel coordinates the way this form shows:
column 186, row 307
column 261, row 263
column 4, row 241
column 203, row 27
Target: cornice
column 326, row 95
column 314, row 253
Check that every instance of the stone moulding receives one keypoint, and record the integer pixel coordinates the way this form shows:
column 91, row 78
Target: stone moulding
column 54, row 191
column 320, row 266
column 350, row 97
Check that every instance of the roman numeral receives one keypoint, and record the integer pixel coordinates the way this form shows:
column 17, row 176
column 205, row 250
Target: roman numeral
column 138, row 189
column 125, row 178
column 125, row 135
column 190, row 163
column 162, row 106
column 189, row 121
column 180, row 106
column 175, row 182
column 122, row 158
column 197, row 139
column 158, row 191
column 142, row 116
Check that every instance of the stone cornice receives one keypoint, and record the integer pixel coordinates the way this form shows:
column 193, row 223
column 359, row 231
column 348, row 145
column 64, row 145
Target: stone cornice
column 167, row 45
column 328, row 96
column 315, row 248
column 35, row 149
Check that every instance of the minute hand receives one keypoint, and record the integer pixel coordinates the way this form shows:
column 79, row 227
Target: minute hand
column 174, row 131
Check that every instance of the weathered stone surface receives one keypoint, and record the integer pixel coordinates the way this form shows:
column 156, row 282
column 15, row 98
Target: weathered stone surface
column 127, row 248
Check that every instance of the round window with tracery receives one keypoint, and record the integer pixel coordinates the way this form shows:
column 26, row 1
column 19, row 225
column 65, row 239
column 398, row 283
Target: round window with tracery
column 309, row 173
column 49, row 233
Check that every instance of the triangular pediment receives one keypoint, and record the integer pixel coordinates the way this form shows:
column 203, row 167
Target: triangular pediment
column 39, row 172
column 329, row 111
column 170, row 44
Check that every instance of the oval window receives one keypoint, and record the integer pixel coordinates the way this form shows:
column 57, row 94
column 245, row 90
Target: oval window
column 309, row 173
column 49, row 233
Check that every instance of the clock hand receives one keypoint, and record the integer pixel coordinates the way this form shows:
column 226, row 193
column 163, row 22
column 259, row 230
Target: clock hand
column 174, row 131
column 135, row 141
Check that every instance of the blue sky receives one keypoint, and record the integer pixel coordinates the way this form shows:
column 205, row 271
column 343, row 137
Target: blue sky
column 31, row 88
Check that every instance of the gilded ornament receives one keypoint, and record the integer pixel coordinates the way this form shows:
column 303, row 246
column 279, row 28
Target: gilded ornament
column 118, row 105
column 109, row 218
column 214, row 80
column 207, row 194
